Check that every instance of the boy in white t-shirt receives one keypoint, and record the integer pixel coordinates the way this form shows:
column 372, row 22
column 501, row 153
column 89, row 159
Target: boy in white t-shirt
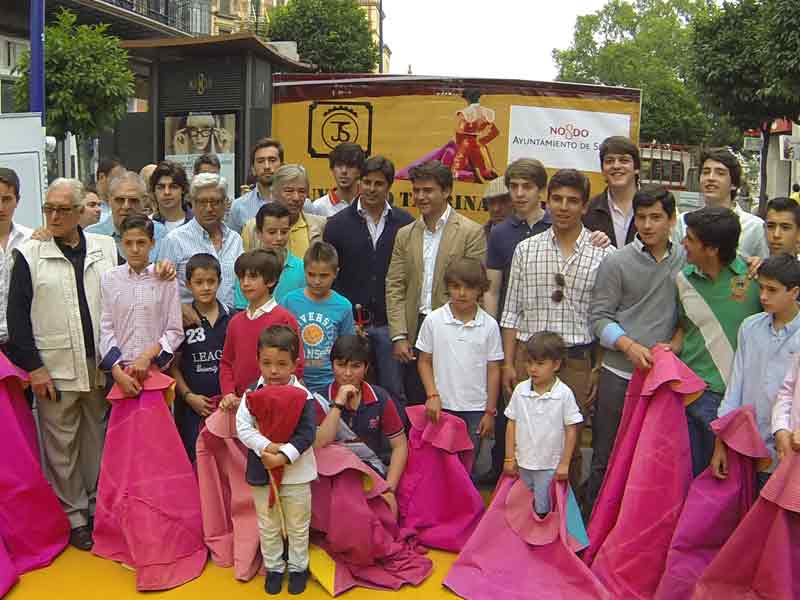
column 542, row 421
column 460, row 353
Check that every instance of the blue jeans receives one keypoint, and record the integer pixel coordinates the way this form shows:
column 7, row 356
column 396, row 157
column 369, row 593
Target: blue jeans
column 472, row 418
column 699, row 415
column 389, row 373
column 538, row 482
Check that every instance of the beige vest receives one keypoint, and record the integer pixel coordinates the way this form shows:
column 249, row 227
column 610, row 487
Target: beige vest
column 55, row 313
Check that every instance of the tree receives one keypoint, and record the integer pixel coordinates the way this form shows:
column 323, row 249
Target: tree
column 645, row 44
column 87, row 78
column 332, row 34
column 732, row 49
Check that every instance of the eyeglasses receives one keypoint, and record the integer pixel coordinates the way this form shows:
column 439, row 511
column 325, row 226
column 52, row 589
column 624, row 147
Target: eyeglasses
column 208, row 203
column 61, row 211
column 558, row 295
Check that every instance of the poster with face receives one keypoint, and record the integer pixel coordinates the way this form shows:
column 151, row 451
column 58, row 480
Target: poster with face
column 188, row 137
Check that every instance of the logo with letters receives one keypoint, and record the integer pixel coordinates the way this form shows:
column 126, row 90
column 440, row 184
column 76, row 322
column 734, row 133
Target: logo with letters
column 334, row 123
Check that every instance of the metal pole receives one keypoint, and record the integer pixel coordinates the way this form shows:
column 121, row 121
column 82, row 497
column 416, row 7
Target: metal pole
column 36, row 79
column 380, row 35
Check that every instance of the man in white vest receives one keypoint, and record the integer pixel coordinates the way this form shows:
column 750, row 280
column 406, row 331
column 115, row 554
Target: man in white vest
column 54, row 313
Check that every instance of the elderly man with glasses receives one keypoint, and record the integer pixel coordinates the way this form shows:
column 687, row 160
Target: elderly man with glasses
column 54, row 315
column 127, row 195
column 205, row 233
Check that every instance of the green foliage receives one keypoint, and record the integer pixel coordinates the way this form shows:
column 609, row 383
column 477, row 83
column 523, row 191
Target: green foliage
column 644, row 44
column 332, row 34
column 87, row 78
column 733, row 49
column 783, row 50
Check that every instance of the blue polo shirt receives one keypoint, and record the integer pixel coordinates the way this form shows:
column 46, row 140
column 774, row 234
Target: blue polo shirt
column 503, row 240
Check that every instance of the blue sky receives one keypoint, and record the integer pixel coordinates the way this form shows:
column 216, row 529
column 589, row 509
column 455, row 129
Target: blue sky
column 480, row 38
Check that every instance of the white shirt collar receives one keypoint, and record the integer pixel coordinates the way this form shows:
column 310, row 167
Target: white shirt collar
column 364, row 213
column 261, row 310
column 450, row 319
column 530, row 391
column 292, row 381
column 440, row 223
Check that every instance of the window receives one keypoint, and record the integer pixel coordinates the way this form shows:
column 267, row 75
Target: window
column 226, row 8
column 6, row 96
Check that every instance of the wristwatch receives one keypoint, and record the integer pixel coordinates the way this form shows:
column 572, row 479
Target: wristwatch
column 337, row 405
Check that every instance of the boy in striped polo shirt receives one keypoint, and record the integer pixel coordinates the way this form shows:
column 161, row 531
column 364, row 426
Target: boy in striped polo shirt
column 715, row 295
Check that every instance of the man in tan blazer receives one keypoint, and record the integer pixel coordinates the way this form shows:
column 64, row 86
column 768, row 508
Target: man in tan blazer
column 422, row 250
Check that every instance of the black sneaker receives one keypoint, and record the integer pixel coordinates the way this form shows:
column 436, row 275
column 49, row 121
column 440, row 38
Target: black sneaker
column 297, row 581
column 81, row 538
column 273, row 582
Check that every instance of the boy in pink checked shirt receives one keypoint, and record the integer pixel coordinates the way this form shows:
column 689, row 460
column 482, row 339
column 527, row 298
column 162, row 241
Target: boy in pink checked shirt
column 141, row 320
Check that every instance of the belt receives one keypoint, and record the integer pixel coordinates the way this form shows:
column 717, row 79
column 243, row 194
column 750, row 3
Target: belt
column 580, row 351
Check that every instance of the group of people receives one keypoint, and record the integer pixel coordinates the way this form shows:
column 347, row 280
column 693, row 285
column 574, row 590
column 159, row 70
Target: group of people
column 315, row 323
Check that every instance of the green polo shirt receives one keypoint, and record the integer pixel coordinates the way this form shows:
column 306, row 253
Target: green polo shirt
column 711, row 311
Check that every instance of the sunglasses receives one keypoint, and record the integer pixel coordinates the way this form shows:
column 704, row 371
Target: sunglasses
column 558, row 295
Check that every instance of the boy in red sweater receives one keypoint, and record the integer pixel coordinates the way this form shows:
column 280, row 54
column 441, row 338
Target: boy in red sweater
column 258, row 272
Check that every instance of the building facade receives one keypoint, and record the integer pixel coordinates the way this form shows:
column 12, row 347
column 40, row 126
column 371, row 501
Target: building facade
column 235, row 16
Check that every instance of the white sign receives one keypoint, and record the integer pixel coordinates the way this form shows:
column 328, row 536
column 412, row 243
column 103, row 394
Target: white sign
column 22, row 149
column 562, row 139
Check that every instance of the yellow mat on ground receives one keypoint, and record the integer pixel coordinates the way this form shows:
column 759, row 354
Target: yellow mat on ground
column 77, row 575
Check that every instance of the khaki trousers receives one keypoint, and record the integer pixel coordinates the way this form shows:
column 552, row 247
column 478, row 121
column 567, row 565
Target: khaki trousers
column 295, row 499
column 73, row 430
column 577, row 374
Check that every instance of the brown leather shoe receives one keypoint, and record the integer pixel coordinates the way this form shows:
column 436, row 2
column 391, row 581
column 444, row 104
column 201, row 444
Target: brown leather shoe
column 81, row 538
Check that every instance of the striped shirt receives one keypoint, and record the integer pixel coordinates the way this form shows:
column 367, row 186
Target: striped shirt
column 529, row 305
column 190, row 239
column 139, row 311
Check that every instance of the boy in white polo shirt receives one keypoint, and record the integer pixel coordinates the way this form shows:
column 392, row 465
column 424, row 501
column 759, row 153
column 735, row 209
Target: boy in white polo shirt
column 461, row 352
column 542, row 421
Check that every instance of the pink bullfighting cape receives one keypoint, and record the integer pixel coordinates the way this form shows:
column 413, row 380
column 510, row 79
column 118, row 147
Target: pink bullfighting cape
column 647, row 480
column 761, row 559
column 33, row 526
column 516, row 555
column 148, row 503
column 714, row 507
column 436, row 496
column 230, row 523
column 352, row 524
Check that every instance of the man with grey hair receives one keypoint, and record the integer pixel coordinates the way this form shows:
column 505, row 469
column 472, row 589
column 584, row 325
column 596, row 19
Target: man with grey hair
column 127, row 195
column 290, row 186
column 54, row 312
column 205, row 233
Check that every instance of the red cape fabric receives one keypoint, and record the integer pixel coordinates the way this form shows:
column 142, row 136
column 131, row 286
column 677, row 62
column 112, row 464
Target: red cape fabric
column 515, row 555
column 277, row 410
column 148, row 503
column 762, row 557
column 33, row 526
column 363, row 538
column 714, row 507
column 646, row 483
column 230, row 523
column 443, row 509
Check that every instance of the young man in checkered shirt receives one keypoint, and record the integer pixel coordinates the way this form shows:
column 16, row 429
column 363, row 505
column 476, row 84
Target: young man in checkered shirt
column 550, row 288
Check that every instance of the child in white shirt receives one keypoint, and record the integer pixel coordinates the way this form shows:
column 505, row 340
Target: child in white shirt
column 460, row 352
column 542, row 421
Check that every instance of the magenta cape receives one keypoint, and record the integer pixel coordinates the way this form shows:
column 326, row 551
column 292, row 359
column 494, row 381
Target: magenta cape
column 714, row 507
column 646, row 483
column 148, row 503
column 353, row 524
column 762, row 557
column 33, row 526
column 436, row 496
column 516, row 555
column 230, row 523
column 443, row 154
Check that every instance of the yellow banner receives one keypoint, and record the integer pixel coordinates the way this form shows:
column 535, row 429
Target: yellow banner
column 474, row 126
